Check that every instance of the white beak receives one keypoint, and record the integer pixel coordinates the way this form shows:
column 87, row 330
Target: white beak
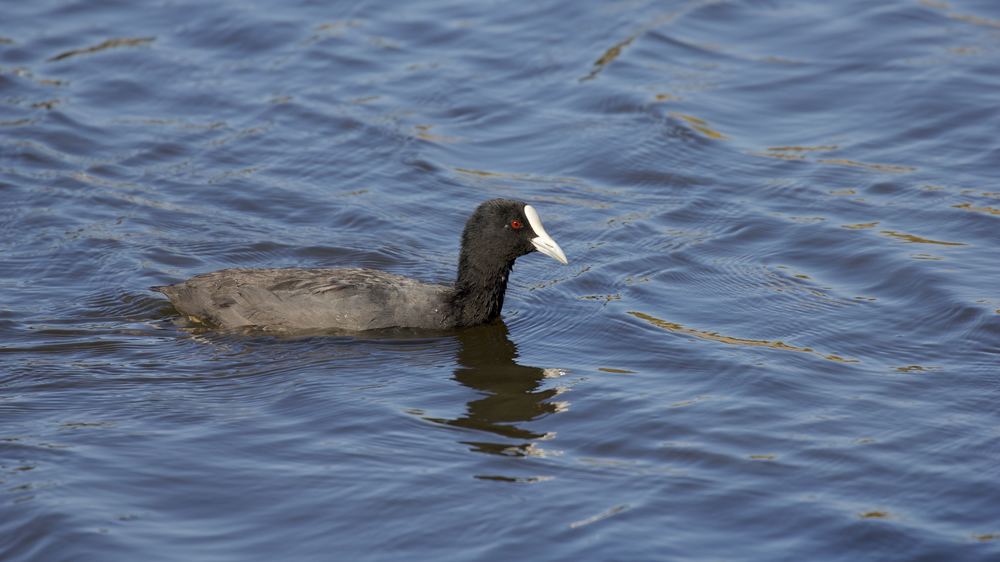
column 543, row 242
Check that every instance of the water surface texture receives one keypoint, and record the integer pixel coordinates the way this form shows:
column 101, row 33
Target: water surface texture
column 778, row 337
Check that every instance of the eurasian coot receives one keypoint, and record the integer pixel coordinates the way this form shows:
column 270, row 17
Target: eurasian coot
column 497, row 233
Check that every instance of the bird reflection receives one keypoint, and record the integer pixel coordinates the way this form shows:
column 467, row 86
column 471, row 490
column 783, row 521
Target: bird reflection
column 512, row 393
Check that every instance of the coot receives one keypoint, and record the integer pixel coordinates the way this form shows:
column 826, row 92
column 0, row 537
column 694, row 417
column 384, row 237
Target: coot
column 497, row 233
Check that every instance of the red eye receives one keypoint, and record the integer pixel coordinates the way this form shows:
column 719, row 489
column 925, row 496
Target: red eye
column 516, row 224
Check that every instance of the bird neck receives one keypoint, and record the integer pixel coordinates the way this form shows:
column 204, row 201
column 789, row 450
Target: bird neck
column 479, row 289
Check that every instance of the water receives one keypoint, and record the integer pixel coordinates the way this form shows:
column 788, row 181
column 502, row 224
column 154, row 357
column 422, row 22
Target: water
column 777, row 338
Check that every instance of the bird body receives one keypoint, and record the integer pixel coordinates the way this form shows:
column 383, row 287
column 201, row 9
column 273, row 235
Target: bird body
column 354, row 299
column 305, row 299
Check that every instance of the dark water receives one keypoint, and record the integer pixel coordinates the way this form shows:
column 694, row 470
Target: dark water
column 778, row 337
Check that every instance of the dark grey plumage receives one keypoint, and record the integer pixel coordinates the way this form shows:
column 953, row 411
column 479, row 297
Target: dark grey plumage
column 283, row 299
column 496, row 234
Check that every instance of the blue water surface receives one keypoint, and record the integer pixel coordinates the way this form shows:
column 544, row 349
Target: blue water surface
column 778, row 337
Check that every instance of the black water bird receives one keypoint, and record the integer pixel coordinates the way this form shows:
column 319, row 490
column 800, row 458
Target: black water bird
column 497, row 233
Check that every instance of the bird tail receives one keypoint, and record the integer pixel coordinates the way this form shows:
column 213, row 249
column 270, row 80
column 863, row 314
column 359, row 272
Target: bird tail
column 168, row 290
